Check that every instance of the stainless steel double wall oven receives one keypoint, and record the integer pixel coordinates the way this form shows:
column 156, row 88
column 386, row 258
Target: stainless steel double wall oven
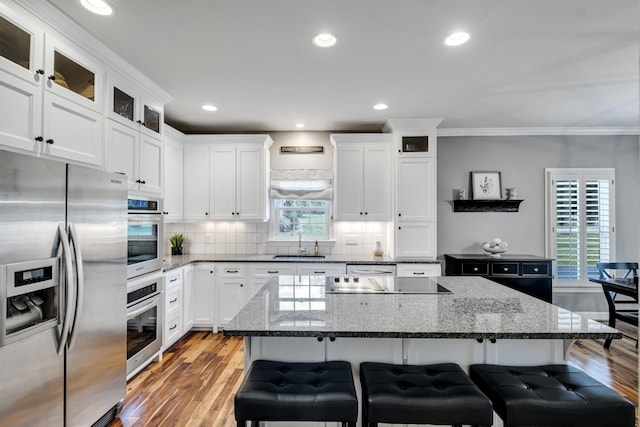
column 144, row 285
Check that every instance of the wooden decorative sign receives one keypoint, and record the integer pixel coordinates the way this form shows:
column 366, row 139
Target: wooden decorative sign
column 302, row 149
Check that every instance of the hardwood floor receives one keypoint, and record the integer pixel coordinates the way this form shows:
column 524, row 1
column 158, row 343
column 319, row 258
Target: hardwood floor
column 194, row 384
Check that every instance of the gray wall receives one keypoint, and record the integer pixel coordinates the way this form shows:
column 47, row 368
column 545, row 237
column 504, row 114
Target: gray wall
column 522, row 160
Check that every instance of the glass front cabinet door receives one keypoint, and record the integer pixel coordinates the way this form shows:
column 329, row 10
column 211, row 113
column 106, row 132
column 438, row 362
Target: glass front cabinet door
column 130, row 107
column 73, row 75
column 151, row 118
column 21, row 73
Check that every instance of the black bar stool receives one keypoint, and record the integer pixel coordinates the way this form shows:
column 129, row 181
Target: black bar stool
column 439, row 394
column 551, row 395
column 283, row 391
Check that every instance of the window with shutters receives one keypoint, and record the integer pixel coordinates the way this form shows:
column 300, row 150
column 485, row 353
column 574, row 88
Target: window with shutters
column 580, row 222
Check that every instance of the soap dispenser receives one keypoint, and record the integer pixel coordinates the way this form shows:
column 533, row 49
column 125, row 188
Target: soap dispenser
column 316, row 249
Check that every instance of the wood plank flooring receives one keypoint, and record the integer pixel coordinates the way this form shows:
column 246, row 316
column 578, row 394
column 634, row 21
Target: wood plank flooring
column 194, row 384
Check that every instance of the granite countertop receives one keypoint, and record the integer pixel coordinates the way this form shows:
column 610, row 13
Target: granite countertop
column 176, row 261
column 476, row 308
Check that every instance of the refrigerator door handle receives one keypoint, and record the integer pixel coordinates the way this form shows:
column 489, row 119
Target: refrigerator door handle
column 80, row 284
column 61, row 238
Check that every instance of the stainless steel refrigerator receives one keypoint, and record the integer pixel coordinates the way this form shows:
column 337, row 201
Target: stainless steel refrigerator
column 63, row 259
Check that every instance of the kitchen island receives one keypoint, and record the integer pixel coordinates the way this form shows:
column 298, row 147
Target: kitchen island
column 306, row 318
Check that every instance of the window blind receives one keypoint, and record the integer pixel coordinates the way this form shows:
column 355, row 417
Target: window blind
column 302, row 184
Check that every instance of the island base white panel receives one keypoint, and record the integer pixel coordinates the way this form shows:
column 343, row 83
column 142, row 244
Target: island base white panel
column 396, row 350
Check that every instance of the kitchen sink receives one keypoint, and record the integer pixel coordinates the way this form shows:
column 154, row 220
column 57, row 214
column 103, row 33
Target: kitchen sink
column 298, row 257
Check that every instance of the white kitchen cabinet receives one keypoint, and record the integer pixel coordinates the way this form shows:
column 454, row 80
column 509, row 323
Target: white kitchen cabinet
column 204, row 304
column 363, row 177
column 20, row 113
column 416, row 226
column 196, row 182
column 21, row 85
column 150, row 164
column 71, row 132
column 225, row 177
column 415, row 216
column 261, row 273
column 142, row 150
column 50, row 94
column 173, row 292
column 232, row 297
column 188, row 303
column 72, row 103
column 415, row 239
column 137, row 155
column 173, row 175
column 238, row 182
column 321, row 269
column 234, row 290
column 418, row 270
column 223, row 183
column 416, row 195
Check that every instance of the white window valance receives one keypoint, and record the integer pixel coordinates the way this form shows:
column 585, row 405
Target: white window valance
column 307, row 184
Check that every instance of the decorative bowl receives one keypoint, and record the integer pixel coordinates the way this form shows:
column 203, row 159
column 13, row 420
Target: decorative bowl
column 494, row 252
column 495, row 247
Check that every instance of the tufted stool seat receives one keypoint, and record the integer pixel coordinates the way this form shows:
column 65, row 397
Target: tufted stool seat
column 439, row 394
column 283, row 391
column 551, row 395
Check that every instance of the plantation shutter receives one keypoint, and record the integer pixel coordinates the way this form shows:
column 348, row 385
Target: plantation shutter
column 580, row 207
column 567, row 229
column 598, row 220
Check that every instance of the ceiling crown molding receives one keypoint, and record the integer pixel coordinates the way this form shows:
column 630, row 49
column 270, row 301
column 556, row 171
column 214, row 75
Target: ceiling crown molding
column 65, row 26
column 539, row 131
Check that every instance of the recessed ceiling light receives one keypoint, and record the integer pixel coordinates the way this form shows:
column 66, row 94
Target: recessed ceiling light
column 456, row 39
column 99, row 7
column 208, row 107
column 299, row 125
column 380, row 106
column 324, row 40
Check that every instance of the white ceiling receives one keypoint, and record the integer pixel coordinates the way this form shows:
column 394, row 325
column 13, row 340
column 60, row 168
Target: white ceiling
column 529, row 63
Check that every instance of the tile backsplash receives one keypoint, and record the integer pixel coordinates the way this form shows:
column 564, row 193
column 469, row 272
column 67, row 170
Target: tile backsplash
column 350, row 238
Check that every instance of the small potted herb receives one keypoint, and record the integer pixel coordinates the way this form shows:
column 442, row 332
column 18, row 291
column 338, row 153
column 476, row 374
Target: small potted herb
column 176, row 243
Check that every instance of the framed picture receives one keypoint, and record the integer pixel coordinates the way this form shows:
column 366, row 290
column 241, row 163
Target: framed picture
column 486, row 186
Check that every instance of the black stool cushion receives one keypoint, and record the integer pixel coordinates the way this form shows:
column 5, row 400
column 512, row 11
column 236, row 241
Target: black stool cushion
column 551, row 395
column 422, row 394
column 282, row 391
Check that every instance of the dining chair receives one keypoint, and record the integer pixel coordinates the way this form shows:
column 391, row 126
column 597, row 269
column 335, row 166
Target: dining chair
column 625, row 310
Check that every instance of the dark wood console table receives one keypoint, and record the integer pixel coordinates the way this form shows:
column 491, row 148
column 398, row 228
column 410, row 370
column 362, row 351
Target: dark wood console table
column 526, row 273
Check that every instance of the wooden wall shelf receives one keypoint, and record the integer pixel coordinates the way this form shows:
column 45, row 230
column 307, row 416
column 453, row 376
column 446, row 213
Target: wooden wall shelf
column 486, row 205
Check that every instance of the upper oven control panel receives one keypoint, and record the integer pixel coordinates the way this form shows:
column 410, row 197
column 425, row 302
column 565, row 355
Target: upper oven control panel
column 144, row 205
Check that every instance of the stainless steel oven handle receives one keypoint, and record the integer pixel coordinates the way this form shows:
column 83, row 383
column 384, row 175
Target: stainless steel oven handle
column 151, row 217
column 61, row 239
column 147, row 304
column 79, row 284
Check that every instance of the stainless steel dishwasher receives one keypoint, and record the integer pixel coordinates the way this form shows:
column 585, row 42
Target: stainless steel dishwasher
column 371, row 270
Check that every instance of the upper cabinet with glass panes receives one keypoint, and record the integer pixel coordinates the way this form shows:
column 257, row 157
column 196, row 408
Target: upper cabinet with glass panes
column 49, row 93
column 67, row 71
column 20, row 47
column 73, row 74
column 129, row 106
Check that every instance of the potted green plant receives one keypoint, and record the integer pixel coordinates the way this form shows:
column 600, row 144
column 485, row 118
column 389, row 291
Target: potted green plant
column 176, row 243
